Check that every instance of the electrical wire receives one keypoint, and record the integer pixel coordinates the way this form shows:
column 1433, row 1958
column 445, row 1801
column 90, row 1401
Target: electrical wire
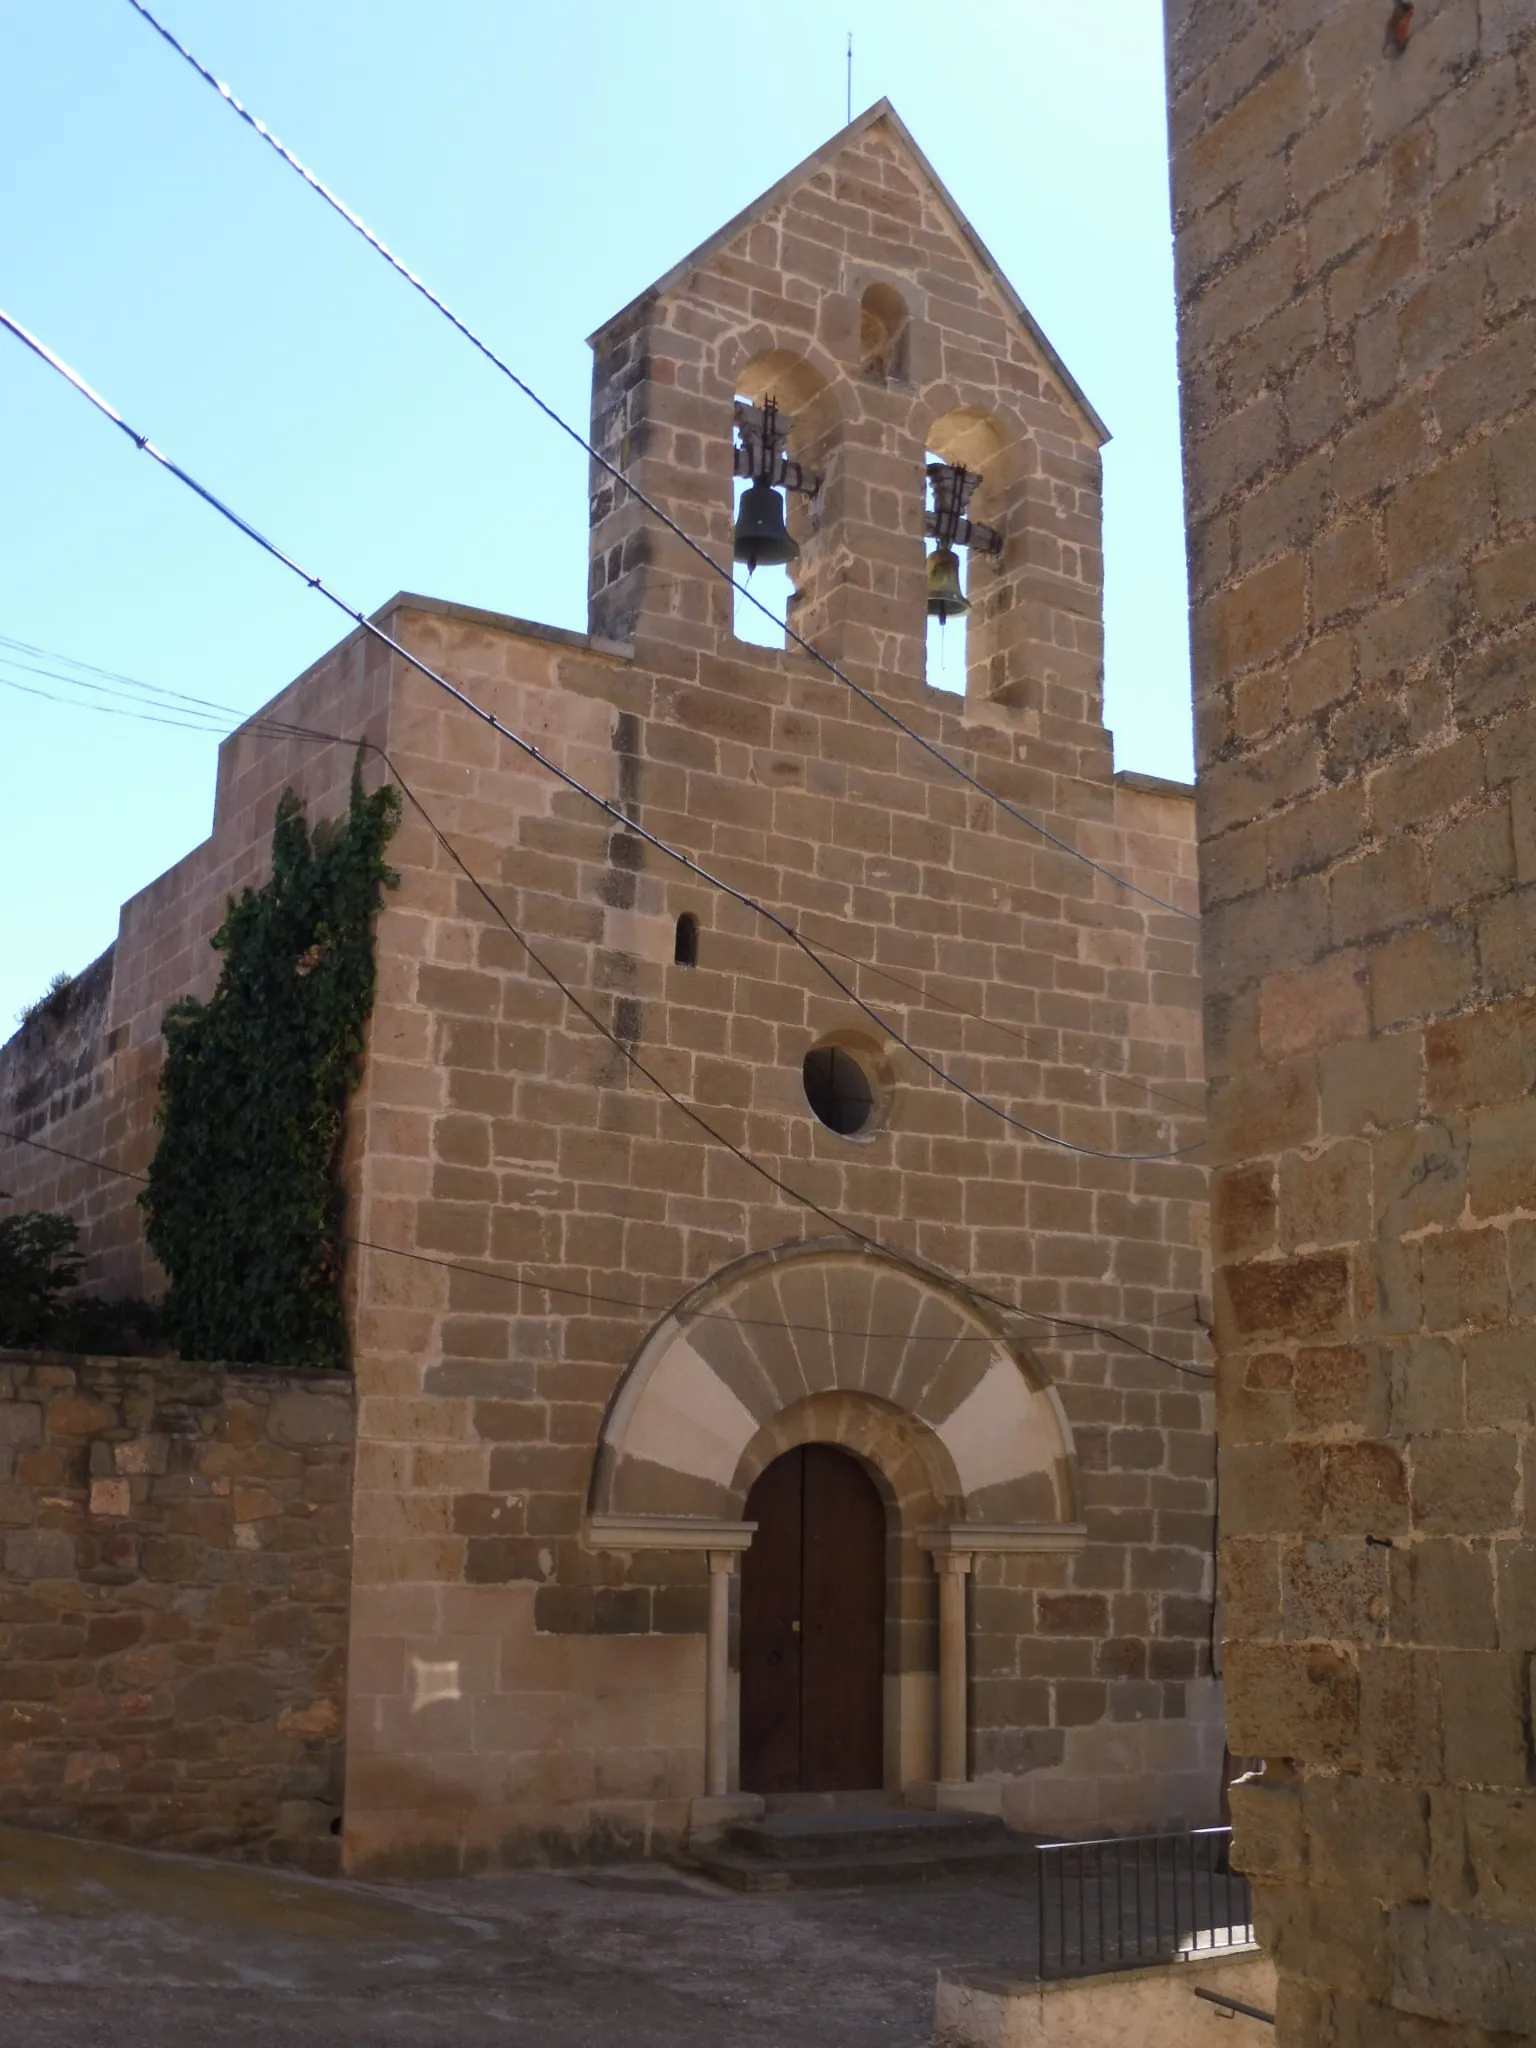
column 275, row 729
column 621, row 818
column 620, row 1301
column 285, row 730
column 417, row 284
column 646, row 1308
column 48, row 662
column 132, row 691
column 41, row 661
column 828, row 1216
column 694, row 1116
column 1009, row 1030
column 219, row 717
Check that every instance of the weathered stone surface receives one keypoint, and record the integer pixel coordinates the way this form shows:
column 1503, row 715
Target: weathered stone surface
column 40, row 1554
column 1365, row 571
column 163, row 1687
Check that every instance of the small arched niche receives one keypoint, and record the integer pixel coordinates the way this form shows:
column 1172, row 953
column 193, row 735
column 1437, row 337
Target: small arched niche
column 884, row 324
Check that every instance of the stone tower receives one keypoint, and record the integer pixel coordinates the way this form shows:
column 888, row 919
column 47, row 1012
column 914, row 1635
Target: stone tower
column 1355, row 201
column 857, row 294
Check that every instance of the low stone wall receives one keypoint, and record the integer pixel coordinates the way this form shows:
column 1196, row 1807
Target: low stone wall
column 174, row 1578
column 1155, row 2008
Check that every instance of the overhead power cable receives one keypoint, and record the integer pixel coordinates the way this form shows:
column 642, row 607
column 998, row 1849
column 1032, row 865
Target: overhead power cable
column 540, row 1286
column 418, row 284
column 1020, row 1037
column 964, row 1287
column 227, row 719
column 621, row 818
column 687, row 1109
column 192, row 722
column 746, row 1159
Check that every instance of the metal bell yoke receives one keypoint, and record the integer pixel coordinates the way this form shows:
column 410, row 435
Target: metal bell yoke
column 761, row 533
column 952, row 486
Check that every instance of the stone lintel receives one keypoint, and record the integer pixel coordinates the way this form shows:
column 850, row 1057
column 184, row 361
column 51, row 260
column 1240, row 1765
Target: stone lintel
column 1152, row 785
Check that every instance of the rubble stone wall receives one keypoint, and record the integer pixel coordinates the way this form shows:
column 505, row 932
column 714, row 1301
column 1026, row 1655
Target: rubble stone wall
column 174, row 1570
column 1355, row 211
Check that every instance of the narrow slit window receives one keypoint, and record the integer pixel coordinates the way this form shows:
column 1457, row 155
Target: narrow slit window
column 685, row 945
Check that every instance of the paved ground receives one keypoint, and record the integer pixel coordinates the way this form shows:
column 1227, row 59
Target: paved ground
column 110, row 1948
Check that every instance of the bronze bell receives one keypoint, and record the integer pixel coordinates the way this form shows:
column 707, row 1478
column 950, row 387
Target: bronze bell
column 760, row 534
column 946, row 600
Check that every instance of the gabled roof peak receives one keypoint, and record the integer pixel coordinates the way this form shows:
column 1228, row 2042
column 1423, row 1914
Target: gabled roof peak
column 881, row 111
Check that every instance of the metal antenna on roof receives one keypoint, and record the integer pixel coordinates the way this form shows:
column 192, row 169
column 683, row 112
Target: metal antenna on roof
column 850, row 75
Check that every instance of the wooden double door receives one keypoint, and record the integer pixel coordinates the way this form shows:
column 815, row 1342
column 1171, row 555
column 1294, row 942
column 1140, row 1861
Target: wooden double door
column 813, row 1627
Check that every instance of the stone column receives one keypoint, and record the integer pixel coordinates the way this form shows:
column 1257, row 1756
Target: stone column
column 952, row 1567
column 722, row 1543
column 717, row 1676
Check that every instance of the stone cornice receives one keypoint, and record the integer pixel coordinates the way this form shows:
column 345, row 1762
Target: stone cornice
column 665, row 1532
column 1002, row 1538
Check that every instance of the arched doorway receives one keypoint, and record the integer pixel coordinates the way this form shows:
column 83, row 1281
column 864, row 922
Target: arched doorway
column 813, row 1627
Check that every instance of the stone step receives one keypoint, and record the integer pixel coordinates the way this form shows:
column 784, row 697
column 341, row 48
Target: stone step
column 801, row 1851
column 789, row 1836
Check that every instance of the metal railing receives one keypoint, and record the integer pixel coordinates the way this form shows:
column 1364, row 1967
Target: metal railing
column 1232, row 2005
column 1123, row 1903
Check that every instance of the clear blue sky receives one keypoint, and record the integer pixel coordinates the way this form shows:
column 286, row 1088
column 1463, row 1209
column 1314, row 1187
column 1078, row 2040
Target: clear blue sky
column 539, row 165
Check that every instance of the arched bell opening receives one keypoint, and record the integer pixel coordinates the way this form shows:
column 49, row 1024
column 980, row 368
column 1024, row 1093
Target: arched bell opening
column 964, row 445
column 980, row 658
column 778, row 408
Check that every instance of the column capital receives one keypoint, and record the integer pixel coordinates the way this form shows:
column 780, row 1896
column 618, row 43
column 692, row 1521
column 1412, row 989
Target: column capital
column 957, row 1562
column 665, row 1532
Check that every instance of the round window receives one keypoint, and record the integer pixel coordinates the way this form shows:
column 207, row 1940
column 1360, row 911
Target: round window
column 840, row 1092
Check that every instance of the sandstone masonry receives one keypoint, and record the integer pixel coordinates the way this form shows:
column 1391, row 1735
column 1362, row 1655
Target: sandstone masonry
column 582, row 1327
column 174, row 1552
column 1356, row 238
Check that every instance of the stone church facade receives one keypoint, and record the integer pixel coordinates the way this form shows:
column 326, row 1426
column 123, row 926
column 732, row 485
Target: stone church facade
column 670, row 1493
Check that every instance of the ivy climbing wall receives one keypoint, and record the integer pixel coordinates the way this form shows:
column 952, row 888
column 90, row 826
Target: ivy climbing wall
column 85, row 1078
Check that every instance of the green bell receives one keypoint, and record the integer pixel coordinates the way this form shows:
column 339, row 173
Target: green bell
column 946, row 600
